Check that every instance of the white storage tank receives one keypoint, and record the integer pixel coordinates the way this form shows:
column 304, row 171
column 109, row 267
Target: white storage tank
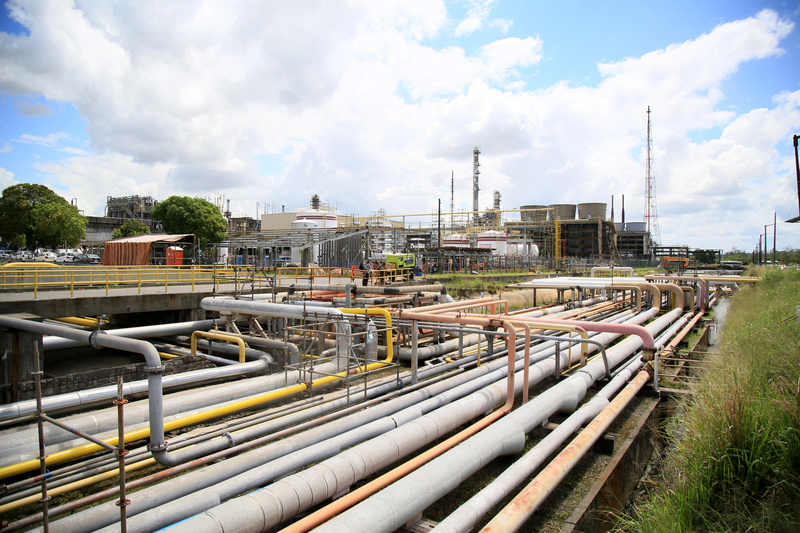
column 323, row 218
column 456, row 240
column 496, row 240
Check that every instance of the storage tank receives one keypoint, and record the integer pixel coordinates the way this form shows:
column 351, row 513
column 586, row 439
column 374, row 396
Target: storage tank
column 496, row 240
column 539, row 213
column 562, row 211
column 592, row 211
column 638, row 227
column 456, row 240
column 323, row 218
column 304, row 224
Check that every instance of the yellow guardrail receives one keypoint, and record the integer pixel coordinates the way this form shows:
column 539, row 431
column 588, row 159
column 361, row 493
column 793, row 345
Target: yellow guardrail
column 35, row 277
column 49, row 276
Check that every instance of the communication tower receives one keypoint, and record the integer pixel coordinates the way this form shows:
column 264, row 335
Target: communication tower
column 650, row 212
column 475, row 187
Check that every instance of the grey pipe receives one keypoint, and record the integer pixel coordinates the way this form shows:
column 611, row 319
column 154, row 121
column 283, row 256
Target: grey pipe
column 371, row 289
column 153, row 368
column 269, row 506
column 463, row 519
column 91, row 397
column 141, row 332
column 391, row 508
column 179, row 498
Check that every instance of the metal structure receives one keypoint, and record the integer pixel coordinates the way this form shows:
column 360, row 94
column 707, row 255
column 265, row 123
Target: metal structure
column 475, row 186
column 650, row 212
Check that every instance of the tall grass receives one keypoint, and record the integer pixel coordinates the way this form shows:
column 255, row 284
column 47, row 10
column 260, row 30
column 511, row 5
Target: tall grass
column 735, row 464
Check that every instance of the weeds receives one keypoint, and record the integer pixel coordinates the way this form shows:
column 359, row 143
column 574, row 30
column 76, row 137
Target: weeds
column 736, row 462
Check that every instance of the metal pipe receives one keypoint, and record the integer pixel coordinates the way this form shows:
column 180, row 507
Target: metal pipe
column 389, row 509
column 514, row 515
column 141, row 332
column 219, row 337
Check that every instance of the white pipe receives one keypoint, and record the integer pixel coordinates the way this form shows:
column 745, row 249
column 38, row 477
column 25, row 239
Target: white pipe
column 141, row 332
column 392, row 508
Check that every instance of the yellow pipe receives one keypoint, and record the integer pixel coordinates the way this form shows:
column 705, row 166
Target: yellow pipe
column 388, row 317
column 76, row 485
column 86, row 449
column 78, row 321
column 219, row 337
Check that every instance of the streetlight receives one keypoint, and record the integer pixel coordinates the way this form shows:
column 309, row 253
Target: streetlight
column 766, row 246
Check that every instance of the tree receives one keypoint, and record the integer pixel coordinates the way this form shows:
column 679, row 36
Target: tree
column 129, row 229
column 182, row 214
column 33, row 215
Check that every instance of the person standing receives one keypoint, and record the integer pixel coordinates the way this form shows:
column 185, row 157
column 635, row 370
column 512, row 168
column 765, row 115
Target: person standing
column 365, row 268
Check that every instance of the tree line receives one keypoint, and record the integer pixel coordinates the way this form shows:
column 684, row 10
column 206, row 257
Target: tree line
column 33, row 216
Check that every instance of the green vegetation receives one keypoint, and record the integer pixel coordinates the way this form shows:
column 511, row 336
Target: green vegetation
column 32, row 215
column 182, row 214
column 736, row 461
column 129, row 229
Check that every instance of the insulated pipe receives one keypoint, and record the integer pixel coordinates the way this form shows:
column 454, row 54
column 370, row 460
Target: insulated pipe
column 260, row 308
column 517, row 512
column 370, row 289
column 249, row 471
column 153, row 369
column 464, row 518
column 294, row 351
column 361, row 460
column 89, row 397
column 141, row 332
column 351, row 498
column 701, row 282
column 391, row 508
column 594, row 283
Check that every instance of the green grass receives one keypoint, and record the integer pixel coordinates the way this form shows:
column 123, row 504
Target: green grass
column 735, row 465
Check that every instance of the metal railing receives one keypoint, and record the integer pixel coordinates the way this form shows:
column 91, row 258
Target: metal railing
column 36, row 278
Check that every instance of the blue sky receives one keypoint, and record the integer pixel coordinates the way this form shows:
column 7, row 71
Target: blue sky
column 372, row 105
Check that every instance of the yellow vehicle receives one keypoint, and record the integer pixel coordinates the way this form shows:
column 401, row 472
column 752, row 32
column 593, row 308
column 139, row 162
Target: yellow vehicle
column 405, row 265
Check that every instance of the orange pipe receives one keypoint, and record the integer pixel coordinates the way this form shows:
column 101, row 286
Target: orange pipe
column 518, row 511
column 352, row 498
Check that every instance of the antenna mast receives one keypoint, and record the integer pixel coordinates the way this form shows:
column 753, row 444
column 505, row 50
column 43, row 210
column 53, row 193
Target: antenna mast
column 650, row 213
column 475, row 187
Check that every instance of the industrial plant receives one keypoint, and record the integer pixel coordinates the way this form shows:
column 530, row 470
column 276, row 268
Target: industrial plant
column 313, row 372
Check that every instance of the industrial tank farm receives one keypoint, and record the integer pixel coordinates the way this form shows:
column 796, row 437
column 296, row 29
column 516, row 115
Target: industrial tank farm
column 339, row 413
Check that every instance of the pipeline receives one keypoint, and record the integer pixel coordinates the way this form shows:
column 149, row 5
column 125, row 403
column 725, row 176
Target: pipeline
column 262, row 512
column 391, row 508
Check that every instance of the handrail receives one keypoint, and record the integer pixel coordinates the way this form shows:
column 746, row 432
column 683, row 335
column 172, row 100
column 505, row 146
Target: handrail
column 35, row 277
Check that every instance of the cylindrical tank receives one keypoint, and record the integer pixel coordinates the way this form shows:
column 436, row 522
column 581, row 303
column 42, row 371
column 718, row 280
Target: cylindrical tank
column 456, row 240
column 562, row 211
column 593, row 211
column 496, row 240
column 323, row 218
column 537, row 213
column 639, row 227
column 304, row 224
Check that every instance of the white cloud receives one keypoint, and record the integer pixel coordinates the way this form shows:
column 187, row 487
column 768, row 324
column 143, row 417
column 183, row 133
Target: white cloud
column 6, row 178
column 180, row 97
column 50, row 140
column 478, row 12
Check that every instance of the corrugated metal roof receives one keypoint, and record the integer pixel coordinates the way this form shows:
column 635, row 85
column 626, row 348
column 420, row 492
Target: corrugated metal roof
column 155, row 237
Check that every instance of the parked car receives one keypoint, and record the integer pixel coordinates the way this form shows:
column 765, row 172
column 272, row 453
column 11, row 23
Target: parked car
column 45, row 256
column 91, row 259
column 23, row 255
column 5, row 254
column 67, row 257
